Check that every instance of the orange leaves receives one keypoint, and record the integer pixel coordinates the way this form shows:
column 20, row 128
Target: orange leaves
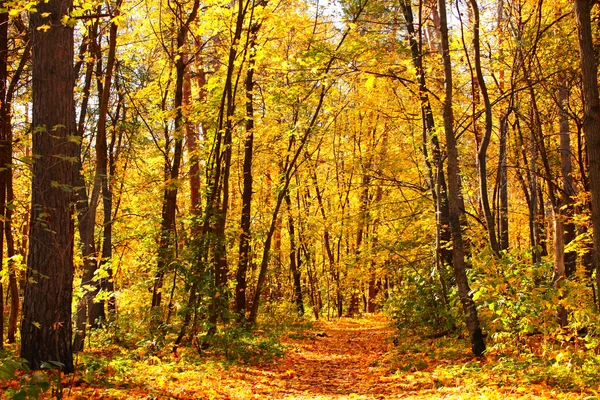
column 353, row 360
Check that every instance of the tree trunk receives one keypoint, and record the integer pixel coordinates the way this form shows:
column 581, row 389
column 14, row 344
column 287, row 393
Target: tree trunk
column 502, row 184
column 46, row 327
column 5, row 156
column 568, row 186
column 244, row 253
column 485, row 140
column 591, row 119
column 437, row 179
column 86, row 216
column 294, row 258
column 10, row 243
column 167, row 226
column 454, row 195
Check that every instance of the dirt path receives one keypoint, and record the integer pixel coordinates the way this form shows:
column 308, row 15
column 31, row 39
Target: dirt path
column 335, row 360
column 342, row 359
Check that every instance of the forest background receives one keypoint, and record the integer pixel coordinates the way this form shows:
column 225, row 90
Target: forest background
column 175, row 171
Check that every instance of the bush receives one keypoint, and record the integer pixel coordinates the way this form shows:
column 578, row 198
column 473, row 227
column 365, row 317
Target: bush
column 418, row 303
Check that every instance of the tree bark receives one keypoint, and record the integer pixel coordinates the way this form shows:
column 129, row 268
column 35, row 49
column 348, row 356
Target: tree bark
column 167, row 226
column 485, row 140
column 437, row 178
column 454, row 195
column 591, row 119
column 244, row 252
column 8, row 151
column 5, row 156
column 46, row 328
column 294, row 257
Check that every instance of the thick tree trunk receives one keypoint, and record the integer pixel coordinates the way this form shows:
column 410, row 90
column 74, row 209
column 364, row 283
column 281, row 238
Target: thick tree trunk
column 5, row 156
column 454, row 195
column 46, row 327
column 591, row 119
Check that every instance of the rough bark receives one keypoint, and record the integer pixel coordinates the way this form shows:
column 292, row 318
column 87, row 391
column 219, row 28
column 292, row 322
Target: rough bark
column 4, row 155
column 46, row 327
column 591, row 119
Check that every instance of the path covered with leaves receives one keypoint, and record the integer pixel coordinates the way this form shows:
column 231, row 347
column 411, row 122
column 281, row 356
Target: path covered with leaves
column 342, row 359
column 336, row 360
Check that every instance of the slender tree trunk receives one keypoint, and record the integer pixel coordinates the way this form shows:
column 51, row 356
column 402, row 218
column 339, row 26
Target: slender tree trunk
column 294, row 257
column 168, row 217
column 437, row 179
column 289, row 170
column 8, row 227
column 502, row 183
column 485, row 140
column 10, row 253
column 194, row 174
column 102, row 172
column 86, row 214
column 568, row 186
column 46, row 327
column 218, row 203
column 244, row 253
column 454, row 194
column 502, row 180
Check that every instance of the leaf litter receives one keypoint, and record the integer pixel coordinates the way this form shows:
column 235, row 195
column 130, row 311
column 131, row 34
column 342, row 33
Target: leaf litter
column 341, row 359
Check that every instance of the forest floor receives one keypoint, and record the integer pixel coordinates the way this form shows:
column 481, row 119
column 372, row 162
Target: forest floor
column 342, row 359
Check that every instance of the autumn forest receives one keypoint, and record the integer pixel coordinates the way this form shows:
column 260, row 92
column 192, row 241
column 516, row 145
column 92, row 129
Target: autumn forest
column 407, row 191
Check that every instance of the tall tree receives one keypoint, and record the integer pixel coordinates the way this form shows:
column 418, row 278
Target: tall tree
column 172, row 166
column 4, row 138
column 591, row 118
column 485, row 140
column 46, row 326
column 244, row 252
column 454, row 194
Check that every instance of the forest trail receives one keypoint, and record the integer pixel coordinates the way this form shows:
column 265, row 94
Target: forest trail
column 327, row 360
column 337, row 359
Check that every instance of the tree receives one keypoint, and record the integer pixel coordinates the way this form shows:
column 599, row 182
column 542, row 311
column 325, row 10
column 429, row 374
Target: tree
column 46, row 327
column 454, row 194
column 591, row 118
